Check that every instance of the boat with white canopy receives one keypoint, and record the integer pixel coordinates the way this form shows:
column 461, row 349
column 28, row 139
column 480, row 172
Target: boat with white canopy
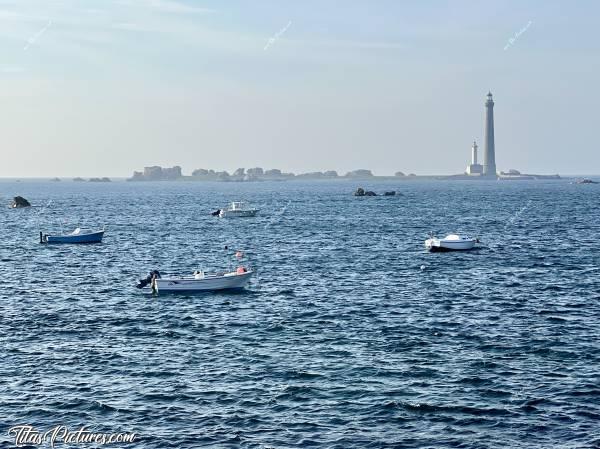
column 238, row 209
column 452, row 242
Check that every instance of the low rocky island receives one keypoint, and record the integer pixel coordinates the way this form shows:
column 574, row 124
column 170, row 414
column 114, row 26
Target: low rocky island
column 256, row 174
column 157, row 173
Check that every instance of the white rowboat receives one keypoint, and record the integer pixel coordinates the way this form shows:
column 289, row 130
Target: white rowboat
column 452, row 242
column 202, row 281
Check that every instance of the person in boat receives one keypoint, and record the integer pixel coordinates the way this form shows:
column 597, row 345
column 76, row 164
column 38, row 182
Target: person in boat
column 154, row 274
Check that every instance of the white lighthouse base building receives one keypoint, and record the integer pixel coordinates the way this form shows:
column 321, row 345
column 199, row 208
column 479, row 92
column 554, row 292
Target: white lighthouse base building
column 474, row 169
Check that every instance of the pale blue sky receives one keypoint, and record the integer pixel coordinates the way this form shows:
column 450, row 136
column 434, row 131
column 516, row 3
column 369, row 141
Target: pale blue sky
column 100, row 88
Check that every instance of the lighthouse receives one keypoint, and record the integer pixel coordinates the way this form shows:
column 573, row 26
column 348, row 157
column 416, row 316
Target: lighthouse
column 474, row 168
column 489, row 153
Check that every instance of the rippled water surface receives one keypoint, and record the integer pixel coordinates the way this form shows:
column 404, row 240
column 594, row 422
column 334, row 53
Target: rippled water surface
column 351, row 335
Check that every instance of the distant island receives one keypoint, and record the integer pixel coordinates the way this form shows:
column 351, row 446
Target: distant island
column 104, row 179
column 157, row 173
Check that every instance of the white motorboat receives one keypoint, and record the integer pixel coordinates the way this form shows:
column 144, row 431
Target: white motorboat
column 198, row 282
column 452, row 242
column 238, row 209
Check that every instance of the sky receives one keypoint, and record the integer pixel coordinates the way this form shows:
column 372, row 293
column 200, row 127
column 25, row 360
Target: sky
column 105, row 87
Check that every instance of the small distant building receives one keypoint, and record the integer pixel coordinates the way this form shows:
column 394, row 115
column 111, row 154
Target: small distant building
column 474, row 168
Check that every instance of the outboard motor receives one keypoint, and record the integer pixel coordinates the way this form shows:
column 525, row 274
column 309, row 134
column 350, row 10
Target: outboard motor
column 148, row 279
column 216, row 213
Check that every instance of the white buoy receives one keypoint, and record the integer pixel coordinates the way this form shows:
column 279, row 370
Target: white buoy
column 422, row 267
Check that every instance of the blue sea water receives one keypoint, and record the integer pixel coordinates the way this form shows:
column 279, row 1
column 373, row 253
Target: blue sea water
column 351, row 335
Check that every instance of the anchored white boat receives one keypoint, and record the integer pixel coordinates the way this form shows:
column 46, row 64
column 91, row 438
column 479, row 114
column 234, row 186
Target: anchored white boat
column 237, row 209
column 452, row 242
column 198, row 282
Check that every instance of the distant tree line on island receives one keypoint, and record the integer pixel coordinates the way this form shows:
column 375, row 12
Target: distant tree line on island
column 157, row 173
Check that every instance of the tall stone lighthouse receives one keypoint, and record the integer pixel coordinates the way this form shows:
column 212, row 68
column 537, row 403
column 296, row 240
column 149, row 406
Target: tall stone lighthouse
column 489, row 152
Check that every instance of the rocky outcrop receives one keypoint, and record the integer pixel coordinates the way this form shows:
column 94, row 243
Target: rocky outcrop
column 362, row 192
column 256, row 171
column 19, row 201
column 329, row 174
column 361, row 173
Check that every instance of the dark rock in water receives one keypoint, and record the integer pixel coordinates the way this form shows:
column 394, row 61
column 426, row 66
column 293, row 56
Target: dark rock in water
column 19, row 201
column 390, row 193
column 362, row 192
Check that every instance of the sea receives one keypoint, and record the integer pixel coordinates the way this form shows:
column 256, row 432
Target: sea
column 350, row 335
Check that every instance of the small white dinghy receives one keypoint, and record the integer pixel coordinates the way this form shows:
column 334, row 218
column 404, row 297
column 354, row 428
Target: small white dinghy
column 200, row 281
column 452, row 242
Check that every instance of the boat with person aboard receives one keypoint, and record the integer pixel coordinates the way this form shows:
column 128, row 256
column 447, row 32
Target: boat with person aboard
column 238, row 209
column 452, row 242
column 199, row 281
